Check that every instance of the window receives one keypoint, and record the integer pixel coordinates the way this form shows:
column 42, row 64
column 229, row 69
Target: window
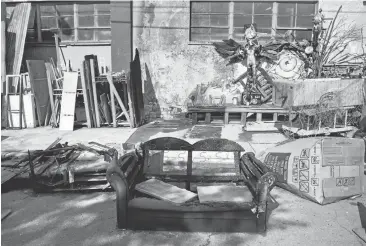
column 214, row 21
column 74, row 22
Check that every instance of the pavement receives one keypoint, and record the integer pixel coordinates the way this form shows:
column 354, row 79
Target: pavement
column 90, row 218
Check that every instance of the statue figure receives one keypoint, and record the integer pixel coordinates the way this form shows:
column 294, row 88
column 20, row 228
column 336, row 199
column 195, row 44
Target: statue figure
column 318, row 27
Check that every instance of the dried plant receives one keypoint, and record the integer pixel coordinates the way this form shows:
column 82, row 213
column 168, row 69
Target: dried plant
column 333, row 46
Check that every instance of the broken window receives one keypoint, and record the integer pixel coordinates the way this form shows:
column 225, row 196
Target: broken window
column 75, row 22
column 214, row 21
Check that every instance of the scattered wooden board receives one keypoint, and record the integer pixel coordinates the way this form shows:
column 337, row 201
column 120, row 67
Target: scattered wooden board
column 68, row 101
column 361, row 233
column 321, row 131
column 5, row 213
column 224, row 194
column 164, row 191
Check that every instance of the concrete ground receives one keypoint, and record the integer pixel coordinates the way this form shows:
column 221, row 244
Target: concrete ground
column 90, row 218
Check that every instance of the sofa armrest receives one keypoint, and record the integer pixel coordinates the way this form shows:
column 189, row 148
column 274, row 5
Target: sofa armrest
column 121, row 175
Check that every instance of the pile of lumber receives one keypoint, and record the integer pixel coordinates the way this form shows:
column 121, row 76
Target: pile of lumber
column 105, row 95
column 62, row 167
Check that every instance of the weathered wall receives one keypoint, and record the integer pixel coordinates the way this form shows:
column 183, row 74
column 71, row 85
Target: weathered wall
column 172, row 67
column 73, row 53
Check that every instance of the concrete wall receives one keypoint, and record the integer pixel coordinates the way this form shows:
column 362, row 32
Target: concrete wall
column 73, row 53
column 172, row 66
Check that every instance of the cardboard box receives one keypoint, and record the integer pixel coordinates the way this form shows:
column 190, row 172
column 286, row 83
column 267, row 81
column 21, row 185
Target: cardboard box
column 323, row 170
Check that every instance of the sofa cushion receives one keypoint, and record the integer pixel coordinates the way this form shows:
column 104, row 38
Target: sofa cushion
column 151, row 204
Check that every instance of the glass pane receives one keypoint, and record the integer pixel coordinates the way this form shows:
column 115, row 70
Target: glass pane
column 200, row 7
column 103, row 34
column 243, row 8
column 305, row 9
column 219, row 7
column 86, row 21
column 304, row 21
column 86, row 34
column 48, row 35
column 300, row 35
column 48, row 10
column 219, row 33
column 286, row 21
column 219, row 20
column 238, row 34
column 264, row 30
column 286, row 8
column 200, row 34
column 65, row 9
column 66, row 22
column 241, row 20
column 48, row 22
column 67, row 35
column 86, row 9
column 263, row 21
column 200, row 20
column 262, row 8
column 103, row 8
column 104, row 20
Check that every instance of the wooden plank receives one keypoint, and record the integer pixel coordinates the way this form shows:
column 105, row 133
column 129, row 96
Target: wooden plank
column 113, row 106
column 106, row 108
column 259, row 117
column 39, row 85
column 224, row 194
column 275, row 117
column 226, row 120
column 130, row 102
column 15, row 37
column 164, row 191
column 243, row 119
column 194, row 118
column 89, row 92
column 85, row 96
column 95, row 97
column 361, row 233
column 5, row 213
column 208, row 118
column 3, row 53
column 50, row 91
column 114, row 91
column 68, row 101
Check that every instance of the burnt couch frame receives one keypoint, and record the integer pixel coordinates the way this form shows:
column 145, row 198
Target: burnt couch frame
column 152, row 214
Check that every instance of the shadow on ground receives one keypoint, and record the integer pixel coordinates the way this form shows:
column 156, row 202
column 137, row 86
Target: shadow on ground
column 90, row 219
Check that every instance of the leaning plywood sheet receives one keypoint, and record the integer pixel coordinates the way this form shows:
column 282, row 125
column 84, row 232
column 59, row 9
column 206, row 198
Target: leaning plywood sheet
column 15, row 38
column 68, row 101
column 224, row 194
column 164, row 191
column 39, row 85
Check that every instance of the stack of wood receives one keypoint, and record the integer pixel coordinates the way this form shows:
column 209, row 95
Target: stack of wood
column 105, row 96
column 62, row 167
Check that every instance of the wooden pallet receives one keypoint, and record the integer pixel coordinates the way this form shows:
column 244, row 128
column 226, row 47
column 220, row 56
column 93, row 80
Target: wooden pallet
column 230, row 109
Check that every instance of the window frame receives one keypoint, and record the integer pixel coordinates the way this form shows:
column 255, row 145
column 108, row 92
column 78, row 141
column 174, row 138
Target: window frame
column 75, row 28
column 231, row 14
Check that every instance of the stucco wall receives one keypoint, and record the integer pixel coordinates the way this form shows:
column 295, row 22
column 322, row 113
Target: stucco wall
column 172, row 67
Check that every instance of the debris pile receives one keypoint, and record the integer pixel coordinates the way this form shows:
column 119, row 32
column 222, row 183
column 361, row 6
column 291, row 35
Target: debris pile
column 63, row 167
